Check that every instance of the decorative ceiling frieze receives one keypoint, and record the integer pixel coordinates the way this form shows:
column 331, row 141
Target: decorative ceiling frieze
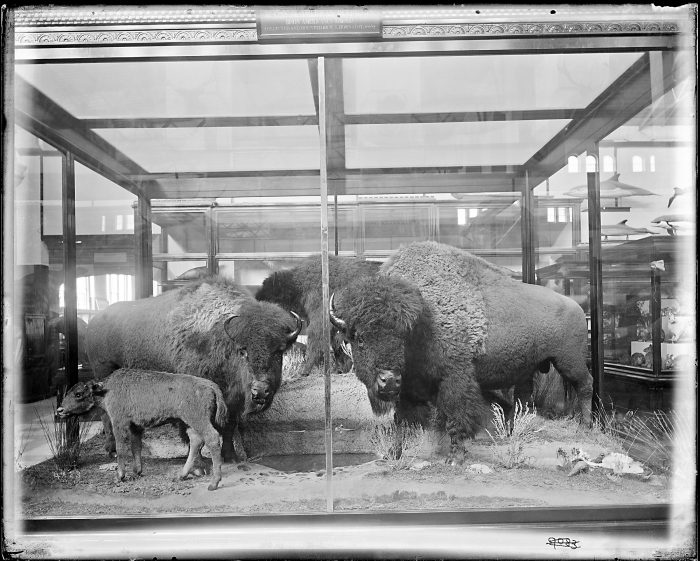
column 99, row 25
column 527, row 29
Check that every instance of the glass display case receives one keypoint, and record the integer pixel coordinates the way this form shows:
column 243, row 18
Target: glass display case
column 150, row 148
column 648, row 329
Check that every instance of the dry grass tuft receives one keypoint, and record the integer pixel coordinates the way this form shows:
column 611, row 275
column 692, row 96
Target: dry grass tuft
column 65, row 447
column 509, row 445
column 398, row 444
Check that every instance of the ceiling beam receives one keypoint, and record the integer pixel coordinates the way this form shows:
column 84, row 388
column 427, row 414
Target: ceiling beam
column 47, row 120
column 462, row 117
column 621, row 101
column 200, row 122
column 252, row 184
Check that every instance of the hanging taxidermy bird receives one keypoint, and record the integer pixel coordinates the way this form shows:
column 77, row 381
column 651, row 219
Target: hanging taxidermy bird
column 622, row 229
column 677, row 192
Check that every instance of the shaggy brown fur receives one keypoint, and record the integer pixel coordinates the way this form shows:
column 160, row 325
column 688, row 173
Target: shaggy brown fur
column 441, row 327
column 138, row 399
column 300, row 290
column 210, row 328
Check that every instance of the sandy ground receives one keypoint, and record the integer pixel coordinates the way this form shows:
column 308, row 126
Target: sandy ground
column 359, row 482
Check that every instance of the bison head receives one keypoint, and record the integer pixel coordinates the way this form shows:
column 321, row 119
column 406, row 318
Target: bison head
column 81, row 398
column 261, row 332
column 377, row 315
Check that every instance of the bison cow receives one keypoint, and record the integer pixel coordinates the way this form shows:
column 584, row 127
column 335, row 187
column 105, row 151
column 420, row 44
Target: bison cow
column 210, row 328
column 441, row 327
column 138, row 399
column 300, row 289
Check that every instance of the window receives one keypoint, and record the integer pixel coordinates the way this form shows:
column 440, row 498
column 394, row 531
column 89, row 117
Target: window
column 637, row 164
column 608, row 164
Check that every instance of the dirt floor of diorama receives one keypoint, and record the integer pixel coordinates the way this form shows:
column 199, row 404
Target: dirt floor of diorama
column 374, row 485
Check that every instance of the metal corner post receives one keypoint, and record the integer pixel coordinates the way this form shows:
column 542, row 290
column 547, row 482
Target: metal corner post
column 529, row 259
column 596, row 279
column 324, row 281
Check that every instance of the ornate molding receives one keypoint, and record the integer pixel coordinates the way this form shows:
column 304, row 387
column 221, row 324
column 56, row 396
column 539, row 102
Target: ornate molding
column 139, row 36
column 54, row 16
column 527, row 29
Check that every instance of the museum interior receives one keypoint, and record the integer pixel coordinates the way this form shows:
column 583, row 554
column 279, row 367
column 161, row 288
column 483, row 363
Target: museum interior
column 151, row 147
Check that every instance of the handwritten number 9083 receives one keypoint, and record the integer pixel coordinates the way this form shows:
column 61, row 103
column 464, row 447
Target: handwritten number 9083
column 564, row 542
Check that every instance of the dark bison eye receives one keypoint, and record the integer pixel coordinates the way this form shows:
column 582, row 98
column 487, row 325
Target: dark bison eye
column 360, row 342
column 243, row 353
column 78, row 394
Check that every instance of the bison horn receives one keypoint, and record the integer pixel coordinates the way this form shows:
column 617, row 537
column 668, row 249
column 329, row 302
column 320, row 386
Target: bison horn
column 335, row 320
column 226, row 326
column 293, row 335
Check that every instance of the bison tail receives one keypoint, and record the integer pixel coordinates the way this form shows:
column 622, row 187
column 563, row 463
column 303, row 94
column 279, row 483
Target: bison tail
column 221, row 417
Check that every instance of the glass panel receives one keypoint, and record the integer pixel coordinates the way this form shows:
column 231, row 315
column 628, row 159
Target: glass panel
column 447, row 144
column 446, row 84
column 185, row 132
column 647, row 224
column 218, row 149
column 39, row 341
column 482, row 222
column 169, row 274
column 177, row 89
column 451, row 159
column 386, row 227
column 104, row 223
column 268, row 230
column 180, row 232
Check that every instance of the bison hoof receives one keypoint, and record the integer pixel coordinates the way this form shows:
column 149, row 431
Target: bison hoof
column 212, row 486
column 243, row 467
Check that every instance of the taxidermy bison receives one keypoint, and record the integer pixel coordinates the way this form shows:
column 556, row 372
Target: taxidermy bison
column 138, row 399
column 211, row 328
column 299, row 289
column 441, row 327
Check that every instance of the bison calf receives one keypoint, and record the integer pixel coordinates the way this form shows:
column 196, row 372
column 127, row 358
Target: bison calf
column 138, row 399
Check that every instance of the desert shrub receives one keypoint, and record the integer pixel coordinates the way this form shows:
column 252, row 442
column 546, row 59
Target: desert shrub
column 509, row 444
column 398, row 444
column 651, row 436
column 65, row 438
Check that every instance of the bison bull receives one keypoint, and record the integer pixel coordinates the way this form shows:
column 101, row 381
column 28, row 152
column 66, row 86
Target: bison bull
column 210, row 328
column 439, row 326
column 300, row 289
column 138, row 399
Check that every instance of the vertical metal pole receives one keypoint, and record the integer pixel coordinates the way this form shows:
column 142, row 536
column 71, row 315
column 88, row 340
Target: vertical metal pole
column 324, row 280
column 213, row 242
column 143, row 250
column 596, row 280
column 526, row 231
column 70, row 310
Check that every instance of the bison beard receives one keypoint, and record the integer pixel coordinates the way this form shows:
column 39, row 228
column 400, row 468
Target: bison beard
column 299, row 289
column 209, row 328
column 439, row 327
